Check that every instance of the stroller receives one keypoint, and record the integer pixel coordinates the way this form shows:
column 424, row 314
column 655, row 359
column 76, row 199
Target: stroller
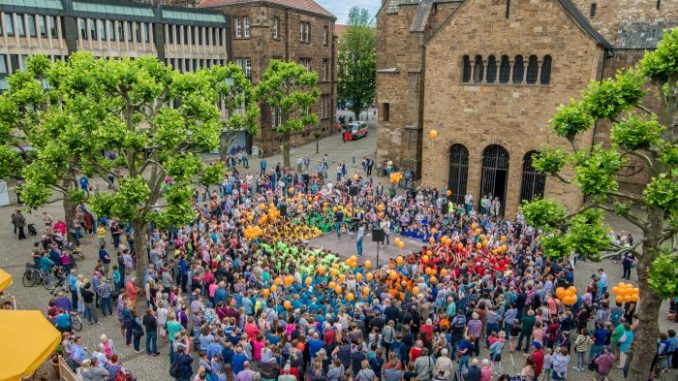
column 31, row 230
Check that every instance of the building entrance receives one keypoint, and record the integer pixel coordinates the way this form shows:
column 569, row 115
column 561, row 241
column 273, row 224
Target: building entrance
column 494, row 177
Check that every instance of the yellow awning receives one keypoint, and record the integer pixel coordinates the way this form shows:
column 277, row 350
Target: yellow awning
column 28, row 339
column 5, row 280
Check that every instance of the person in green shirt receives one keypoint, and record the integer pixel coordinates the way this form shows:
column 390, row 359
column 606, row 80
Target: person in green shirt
column 526, row 328
column 616, row 335
column 173, row 327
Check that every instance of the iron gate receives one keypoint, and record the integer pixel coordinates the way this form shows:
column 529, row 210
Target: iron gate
column 533, row 182
column 495, row 167
column 458, row 172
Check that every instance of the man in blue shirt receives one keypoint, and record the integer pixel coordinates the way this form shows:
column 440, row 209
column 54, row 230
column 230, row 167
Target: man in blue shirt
column 262, row 168
column 104, row 258
column 315, row 344
column 62, row 321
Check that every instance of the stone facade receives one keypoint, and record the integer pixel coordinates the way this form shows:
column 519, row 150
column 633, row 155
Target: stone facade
column 455, row 67
column 255, row 49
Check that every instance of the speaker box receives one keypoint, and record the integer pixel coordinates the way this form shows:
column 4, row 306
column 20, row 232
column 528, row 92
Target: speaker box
column 378, row 235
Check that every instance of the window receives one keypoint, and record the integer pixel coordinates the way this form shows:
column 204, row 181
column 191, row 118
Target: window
column 276, row 116
column 147, row 31
column 92, row 28
column 42, row 25
column 518, row 70
column 326, row 35
column 83, row 28
column 9, row 24
column 305, row 62
column 325, row 106
column 466, row 69
column 386, row 112
column 20, row 27
column 246, row 26
column 532, row 182
column 53, row 25
column 592, row 12
column 248, row 67
column 504, row 70
column 545, row 77
column 221, row 37
column 213, row 32
column 138, row 29
column 102, row 29
column 532, row 70
column 14, row 63
column 111, row 30
column 3, row 66
column 238, row 27
column 478, row 70
column 32, row 31
column 185, row 33
column 128, row 30
column 275, row 28
column 326, row 69
column 305, row 32
column 491, row 74
column 121, row 30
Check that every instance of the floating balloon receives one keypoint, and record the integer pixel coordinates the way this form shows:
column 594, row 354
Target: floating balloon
column 433, row 134
column 287, row 305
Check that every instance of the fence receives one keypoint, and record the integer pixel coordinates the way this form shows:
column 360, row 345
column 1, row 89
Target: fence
column 65, row 372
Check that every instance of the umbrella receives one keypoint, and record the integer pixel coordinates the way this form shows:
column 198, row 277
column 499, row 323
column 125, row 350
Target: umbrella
column 5, row 280
column 28, row 339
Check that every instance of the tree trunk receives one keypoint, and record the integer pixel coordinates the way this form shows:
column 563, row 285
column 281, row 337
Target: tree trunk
column 69, row 216
column 356, row 111
column 140, row 256
column 648, row 312
column 286, row 150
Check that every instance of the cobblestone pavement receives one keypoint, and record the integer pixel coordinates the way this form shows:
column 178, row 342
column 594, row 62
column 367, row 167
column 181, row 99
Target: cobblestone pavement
column 14, row 254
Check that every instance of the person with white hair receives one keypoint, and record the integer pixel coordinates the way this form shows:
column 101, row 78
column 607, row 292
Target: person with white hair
column 443, row 365
column 485, row 371
column 106, row 346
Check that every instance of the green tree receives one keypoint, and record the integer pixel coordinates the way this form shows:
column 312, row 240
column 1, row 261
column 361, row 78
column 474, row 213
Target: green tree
column 238, row 97
column 642, row 141
column 357, row 60
column 291, row 90
column 47, row 120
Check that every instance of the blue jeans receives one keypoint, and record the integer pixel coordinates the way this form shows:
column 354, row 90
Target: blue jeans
column 106, row 306
column 521, row 337
column 489, row 328
column 151, row 342
column 359, row 245
column 91, row 313
column 74, row 299
column 463, row 362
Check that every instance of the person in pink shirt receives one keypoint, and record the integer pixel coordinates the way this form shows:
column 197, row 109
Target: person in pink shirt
column 251, row 329
column 257, row 345
column 486, row 371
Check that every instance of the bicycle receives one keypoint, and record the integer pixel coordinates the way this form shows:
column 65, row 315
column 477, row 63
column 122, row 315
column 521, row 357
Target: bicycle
column 77, row 255
column 76, row 322
column 31, row 275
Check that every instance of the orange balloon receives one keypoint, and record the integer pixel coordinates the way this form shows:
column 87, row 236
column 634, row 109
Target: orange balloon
column 560, row 292
column 503, row 238
column 460, row 246
column 338, row 289
column 358, row 277
column 274, row 288
column 266, row 292
column 443, row 272
column 366, row 290
column 448, row 193
column 342, row 277
column 399, row 260
column 308, row 281
column 332, row 284
column 479, row 245
column 474, row 226
column 369, row 277
column 350, row 296
column 393, row 275
column 321, row 270
column 434, row 230
column 478, row 231
column 434, row 279
column 424, row 258
column 415, row 290
column 278, row 281
column 287, row 305
column 432, row 240
column 368, row 264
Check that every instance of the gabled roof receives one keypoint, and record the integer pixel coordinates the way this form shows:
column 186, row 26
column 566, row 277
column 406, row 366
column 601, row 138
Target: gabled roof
column 584, row 23
column 302, row 5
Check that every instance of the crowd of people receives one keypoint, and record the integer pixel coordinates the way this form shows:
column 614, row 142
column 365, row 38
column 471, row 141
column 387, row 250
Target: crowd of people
column 232, row 302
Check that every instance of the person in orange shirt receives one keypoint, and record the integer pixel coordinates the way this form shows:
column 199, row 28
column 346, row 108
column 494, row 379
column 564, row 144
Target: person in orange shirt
column 132, row 291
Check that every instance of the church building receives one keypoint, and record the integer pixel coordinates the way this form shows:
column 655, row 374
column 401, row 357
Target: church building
column 488, row 75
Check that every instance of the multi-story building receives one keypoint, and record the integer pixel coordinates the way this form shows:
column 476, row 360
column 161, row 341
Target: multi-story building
column 488, row 75
column 289, row 30
column 187, row 39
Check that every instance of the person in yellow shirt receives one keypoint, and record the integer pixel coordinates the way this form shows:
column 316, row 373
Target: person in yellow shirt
column 101, row 234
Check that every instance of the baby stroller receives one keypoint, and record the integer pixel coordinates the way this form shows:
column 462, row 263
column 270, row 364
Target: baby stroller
column 31, row 230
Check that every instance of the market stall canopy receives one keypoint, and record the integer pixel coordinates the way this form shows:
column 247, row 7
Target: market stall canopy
column 28, row 339
column 5, row 280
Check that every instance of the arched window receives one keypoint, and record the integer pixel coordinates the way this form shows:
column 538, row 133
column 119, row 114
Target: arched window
column 458, row 172
column 504, row 70
column 518, row 70
column 478, row 70
column 491, row 75
column 546, row 71
column 532, row 69
column 494, row 175
column 466, row 69
column 533, row 182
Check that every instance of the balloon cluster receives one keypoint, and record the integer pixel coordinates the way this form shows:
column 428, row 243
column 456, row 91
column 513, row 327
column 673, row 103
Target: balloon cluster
column 567, row 295
column 395, row 177
column 399, row 243
column 272, row 214
column 253, row 232
column 626, row 292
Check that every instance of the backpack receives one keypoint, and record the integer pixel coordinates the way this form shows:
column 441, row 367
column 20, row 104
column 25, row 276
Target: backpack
column 174, row 369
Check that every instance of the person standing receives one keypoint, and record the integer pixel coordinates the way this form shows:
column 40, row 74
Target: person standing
column 90, row 308
column 20, row 222
column 105, row 293
column 338, row 220
column 604, row 364
column 150, row 322
column 104, row 258
column 359, row 239
column 627, row 264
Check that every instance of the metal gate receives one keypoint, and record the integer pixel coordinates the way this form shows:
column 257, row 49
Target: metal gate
column 494, row 175
column 458, row 172
column 533, row 182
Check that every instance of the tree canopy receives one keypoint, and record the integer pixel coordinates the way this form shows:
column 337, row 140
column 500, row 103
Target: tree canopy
column 643, row 142
column 290, row 90
column 357, row 60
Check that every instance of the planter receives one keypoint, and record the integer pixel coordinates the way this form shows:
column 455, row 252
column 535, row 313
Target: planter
column 54, row 362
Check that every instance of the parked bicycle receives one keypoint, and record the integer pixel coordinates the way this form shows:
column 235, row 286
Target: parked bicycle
column 76, row 322
column 33, row 275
